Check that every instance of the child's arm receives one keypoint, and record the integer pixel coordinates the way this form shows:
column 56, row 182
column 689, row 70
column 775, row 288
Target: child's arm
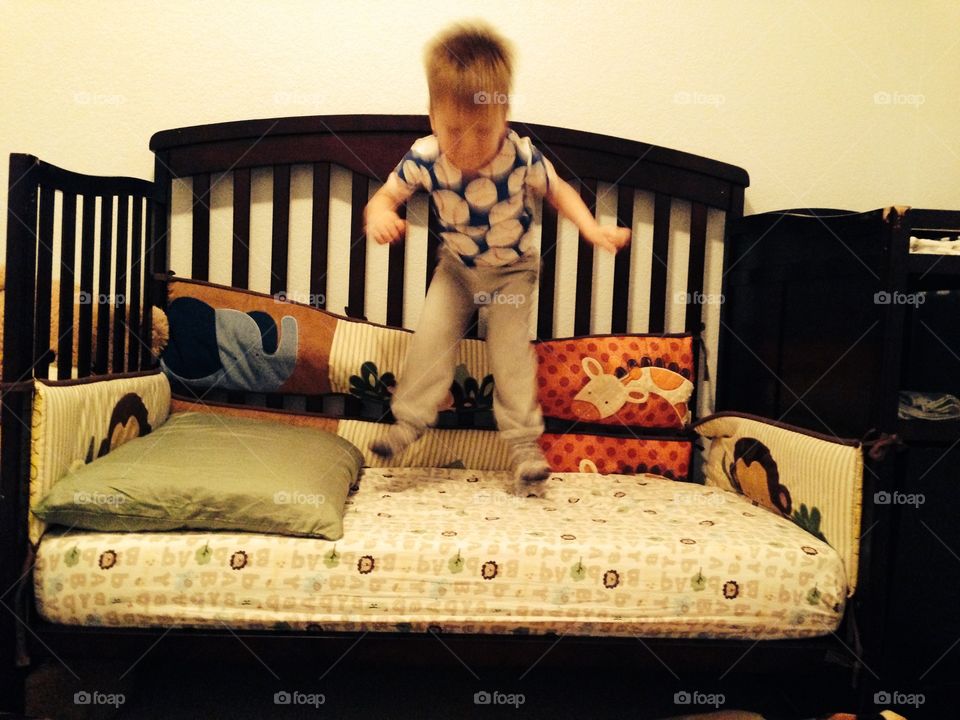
column 566, row 200
column 380, row 218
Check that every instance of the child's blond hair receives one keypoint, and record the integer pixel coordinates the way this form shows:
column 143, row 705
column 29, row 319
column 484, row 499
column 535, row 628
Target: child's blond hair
column 470, row 64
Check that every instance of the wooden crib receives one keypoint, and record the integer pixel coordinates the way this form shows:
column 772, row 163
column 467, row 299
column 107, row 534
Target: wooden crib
column 276, row 206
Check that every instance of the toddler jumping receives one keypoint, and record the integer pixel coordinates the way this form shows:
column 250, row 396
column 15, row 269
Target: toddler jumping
column 484, row 180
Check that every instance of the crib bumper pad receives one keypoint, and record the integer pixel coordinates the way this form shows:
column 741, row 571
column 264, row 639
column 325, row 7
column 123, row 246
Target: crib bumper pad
column 814, row 480
column 452, row 551
column 76, row 421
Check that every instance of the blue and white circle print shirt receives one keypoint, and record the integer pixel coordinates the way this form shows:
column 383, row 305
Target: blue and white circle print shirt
column 486, row 220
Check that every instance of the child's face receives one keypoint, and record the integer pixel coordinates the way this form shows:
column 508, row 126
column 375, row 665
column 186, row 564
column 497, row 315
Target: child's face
column 469, row 137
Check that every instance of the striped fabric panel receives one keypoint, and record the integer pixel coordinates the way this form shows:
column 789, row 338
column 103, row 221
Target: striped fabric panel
column 476, row 449
column 818, row 473
column 70, row 419
column 357, row 342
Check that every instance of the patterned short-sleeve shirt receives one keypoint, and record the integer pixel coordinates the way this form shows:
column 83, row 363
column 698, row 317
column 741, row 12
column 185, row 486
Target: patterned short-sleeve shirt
column 486, row 220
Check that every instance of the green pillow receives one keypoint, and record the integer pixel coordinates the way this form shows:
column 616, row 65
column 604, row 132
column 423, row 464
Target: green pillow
column 212, row 472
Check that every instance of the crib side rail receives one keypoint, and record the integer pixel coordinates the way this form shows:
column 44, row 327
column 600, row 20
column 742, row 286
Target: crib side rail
column 77, row 299
column 77, row 253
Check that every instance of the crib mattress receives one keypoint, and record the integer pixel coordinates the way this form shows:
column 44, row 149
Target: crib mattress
column 447, row 550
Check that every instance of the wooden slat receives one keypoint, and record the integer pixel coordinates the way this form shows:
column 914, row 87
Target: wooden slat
column 240, row 270
column 584, row 304
column 695, row 279
column 156, row 253
column 734, row 212
column 395, row 267
column 621, row 266
column 136, row 271
column 44, row 283
column 473, row 325
column 200, row 261
column 281, row 229
column 148, row 260
column 68, row 232
column 102, row 300
column 85, row 324
column 320, row 228
column 120, row 291
column 433, row 244
column 159, row 255
column 735, row 208
column 658, row 269
column 548, row 271
column 358, row 247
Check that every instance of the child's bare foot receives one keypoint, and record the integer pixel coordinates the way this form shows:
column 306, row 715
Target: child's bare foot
column 530, row 469
column 395, row 441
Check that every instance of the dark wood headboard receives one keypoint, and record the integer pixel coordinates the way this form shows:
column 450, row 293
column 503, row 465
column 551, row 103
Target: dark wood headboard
column 369, row 146
column 106, row 237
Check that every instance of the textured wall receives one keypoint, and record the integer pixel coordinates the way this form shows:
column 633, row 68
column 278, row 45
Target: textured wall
column 826, row 104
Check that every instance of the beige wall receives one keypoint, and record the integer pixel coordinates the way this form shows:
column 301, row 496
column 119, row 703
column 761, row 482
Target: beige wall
column 826, row 104
column 787, row 90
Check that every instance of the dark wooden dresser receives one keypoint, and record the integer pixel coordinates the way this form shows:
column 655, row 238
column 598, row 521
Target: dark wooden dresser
column 827, row 317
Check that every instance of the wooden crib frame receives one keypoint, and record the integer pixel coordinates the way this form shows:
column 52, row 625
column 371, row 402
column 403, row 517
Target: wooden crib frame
column 368, row 147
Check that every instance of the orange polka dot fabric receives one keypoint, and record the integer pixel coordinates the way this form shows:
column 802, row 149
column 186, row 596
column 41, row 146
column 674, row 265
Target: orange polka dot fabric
column 572, row 452
column 634, row 380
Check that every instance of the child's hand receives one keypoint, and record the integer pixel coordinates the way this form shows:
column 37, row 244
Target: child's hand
column 609, row 237
column 385, row 226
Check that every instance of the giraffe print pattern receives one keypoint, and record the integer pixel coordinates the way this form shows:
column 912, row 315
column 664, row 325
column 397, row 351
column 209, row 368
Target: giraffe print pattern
column 636, row 380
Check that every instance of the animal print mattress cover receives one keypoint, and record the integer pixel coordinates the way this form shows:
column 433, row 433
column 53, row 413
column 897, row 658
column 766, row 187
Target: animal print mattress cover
column 447, row 550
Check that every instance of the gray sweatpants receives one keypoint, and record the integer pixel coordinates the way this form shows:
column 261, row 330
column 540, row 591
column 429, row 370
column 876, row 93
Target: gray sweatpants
column 454, row 294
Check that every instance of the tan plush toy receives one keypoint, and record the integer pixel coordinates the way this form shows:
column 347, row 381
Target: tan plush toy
column 161, row 327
